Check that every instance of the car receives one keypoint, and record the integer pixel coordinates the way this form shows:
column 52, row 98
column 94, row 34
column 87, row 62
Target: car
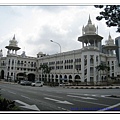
column 62, row 84
column 37, row 83
column 25, row 82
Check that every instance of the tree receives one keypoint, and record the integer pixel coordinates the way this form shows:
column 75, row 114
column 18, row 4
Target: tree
column 103, row 67
column 45, row 69
column 25, row 75
column 111, row 13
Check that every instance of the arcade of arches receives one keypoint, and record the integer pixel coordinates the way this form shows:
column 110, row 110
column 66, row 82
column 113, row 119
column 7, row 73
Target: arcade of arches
column 24, row 76
column 62, row 78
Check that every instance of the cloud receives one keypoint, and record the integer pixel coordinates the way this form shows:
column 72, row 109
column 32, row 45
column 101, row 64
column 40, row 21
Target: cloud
column 35, row 26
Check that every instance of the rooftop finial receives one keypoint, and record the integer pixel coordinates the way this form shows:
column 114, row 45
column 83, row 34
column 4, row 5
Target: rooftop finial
column 89, row 21
column 109, row 37
column 14, row 37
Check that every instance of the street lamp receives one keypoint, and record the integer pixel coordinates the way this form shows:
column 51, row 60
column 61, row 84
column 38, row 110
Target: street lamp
column 56, row 43
column 60, row 52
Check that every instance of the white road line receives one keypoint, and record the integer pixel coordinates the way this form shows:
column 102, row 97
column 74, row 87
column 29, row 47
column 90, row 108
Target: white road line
column 3, row 89
column 104, row 95
column 53, row 96
column 110, row 107
column 12, row 92
column 90, row 102
column 94, row 95
column 83, row 94
column 86, row 98
column 25, row 97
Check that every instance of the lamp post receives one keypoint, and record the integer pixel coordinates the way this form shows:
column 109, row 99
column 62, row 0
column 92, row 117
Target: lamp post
column 56, row 43
column 60, row 52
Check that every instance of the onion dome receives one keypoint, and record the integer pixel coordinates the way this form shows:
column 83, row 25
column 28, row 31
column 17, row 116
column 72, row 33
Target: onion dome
column 13, row 42
column 89, row 28
column 110, row 43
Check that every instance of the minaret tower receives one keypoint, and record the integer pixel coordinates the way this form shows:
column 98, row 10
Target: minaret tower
column 13, row 47
column 90, row 36
column 90, row 57
column 110, row 47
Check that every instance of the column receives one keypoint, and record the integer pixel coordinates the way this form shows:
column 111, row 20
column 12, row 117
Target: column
column 88, row 68
column 83, row 44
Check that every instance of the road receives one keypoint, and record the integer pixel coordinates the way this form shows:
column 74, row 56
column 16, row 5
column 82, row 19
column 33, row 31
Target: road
column 57, row 99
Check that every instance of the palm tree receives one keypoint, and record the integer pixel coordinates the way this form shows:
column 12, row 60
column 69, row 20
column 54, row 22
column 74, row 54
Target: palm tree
column 103, row 67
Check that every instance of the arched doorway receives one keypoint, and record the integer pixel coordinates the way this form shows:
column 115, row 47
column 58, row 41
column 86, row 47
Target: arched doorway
column 2, row 74
column 65, row 78
column 31, row 77
column 70, row 79
column 77, row 79
column 20, row 76
column 56, row 78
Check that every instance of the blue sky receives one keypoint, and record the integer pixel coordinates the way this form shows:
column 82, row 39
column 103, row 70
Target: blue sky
column 34, row 26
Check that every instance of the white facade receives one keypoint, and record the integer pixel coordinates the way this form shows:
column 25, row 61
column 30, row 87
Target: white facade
column 77, row 65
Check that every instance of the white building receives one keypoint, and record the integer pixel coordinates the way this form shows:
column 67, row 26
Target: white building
column 77, row 65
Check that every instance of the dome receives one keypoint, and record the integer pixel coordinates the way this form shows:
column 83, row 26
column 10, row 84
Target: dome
column 89, row 28
column 40, row 53
column 13, row 42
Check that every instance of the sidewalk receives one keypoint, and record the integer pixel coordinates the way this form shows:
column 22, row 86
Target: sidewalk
column 79, row 87
column 7, row 82
column 92, row 87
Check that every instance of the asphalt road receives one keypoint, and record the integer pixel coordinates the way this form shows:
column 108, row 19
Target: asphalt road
column 57, row 99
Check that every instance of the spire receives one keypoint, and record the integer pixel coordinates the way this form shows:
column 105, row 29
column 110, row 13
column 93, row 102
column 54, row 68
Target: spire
column 109, row 37
column 89, row 21
column 97, row 29
column 14, row 37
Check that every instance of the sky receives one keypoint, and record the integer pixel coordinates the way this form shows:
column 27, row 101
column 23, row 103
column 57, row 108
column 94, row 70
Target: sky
column 35, row 25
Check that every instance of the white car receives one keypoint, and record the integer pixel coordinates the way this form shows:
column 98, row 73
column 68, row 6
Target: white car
column 37, row 83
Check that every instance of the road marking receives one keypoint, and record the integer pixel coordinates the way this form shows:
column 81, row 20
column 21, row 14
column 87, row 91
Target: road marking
column 83, row 94
column 58, row 101
column 32, row 107
column 110, row 107
column 12, row 92
column 108, row 97
column 53, row 96
column 104, row 95
column 87, row 98
column 3, row 89
column 90, row 102
column 94, row 95
column 63, row 108
column 25, row 97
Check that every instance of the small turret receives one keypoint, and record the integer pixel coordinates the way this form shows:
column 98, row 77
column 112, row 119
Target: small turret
column 110, row 46
column 12, row 46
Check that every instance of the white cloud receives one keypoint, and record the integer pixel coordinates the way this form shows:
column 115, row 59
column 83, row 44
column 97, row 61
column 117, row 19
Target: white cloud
column 35, row 26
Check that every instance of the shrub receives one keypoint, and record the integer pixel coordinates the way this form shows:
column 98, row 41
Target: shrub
column 7, row 105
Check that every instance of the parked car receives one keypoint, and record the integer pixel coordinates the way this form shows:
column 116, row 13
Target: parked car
column 37, row 83
column 24, row 82
column 62, row 84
